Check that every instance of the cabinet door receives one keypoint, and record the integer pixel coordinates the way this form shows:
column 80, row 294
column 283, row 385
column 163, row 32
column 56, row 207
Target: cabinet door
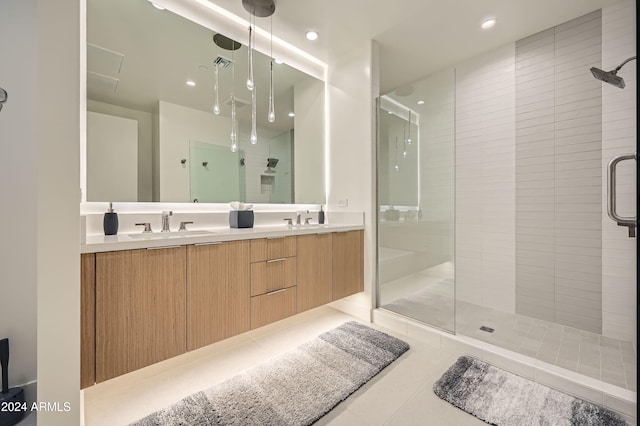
column 140, row 309
column 87, row 320
column 217, row 292
column 315, row 270
column 348, row 267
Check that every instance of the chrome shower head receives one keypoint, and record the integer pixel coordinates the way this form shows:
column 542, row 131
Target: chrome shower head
column 611, row 77
column 608, row 77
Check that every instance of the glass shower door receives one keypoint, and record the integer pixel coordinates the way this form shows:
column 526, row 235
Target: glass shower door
column 416, row 202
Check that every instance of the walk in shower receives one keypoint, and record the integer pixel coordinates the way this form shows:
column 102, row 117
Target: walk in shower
column 493, row 209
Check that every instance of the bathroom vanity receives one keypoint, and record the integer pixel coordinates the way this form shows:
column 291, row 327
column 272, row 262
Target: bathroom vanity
column 145, row 300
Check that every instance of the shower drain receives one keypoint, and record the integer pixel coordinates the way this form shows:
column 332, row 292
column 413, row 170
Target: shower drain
column 487, row 329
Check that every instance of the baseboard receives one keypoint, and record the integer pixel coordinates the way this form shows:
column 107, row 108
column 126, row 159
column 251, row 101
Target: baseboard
column 361, row 312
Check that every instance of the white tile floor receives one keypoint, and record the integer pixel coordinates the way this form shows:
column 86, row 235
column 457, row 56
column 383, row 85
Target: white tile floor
column 428, row 296
column 400, row 395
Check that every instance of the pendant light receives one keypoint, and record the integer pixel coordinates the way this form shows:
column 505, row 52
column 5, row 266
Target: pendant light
column 404, row 141
column 250, row 84
column 271, row 116
column 232, row 45
column 396, row 167
column 254, row 133
column 409, row 138
column 234, row 119
column 216, row 101
column 261, row 9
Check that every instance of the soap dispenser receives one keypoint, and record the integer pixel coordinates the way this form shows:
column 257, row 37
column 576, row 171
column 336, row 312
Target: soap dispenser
column 110, row 222
column 321, row 215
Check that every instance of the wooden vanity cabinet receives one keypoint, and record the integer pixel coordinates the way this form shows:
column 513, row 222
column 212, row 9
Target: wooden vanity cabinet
column 348, row 263
column 217, row 292
column 273, row 280
column 87, row 320
column 140, row 308
column 314, row 271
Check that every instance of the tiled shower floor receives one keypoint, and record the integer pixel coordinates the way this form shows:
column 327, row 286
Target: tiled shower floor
column 427, row 296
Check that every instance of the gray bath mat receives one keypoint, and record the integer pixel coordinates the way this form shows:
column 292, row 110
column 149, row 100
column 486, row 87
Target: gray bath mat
column 295, row 388
column 502, row 398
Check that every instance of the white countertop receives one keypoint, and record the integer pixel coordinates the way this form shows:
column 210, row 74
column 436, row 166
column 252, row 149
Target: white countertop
column 102, row 243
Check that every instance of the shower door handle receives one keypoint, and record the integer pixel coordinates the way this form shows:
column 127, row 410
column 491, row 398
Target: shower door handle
column 629, row 222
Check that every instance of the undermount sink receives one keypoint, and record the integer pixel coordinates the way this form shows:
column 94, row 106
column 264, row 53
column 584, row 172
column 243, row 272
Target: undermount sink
column 172, row 234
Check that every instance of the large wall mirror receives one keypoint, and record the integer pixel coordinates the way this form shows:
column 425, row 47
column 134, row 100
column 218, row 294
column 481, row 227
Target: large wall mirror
column 151, row 131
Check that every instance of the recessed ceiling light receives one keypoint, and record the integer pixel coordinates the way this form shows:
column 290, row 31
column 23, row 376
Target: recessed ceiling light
column 278, row 61
column 389, row 112
column 488, row 23
column 291, row 114
column 156, row 6
column 420, row 102
column 190, row 83
column 312, row 35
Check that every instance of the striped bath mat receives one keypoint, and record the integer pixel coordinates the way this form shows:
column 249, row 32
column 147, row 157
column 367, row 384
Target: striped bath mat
column 295, row 388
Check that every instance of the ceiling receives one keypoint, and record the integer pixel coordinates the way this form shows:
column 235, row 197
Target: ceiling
column 416, row 37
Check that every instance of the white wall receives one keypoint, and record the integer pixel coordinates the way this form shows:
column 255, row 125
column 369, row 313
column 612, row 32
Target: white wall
column 308, row 103
column 619, row 255
column 57, row 124
column 178, row 125
column 352, row 90
column 112, row 158
column 145, row 137
column 19, row 176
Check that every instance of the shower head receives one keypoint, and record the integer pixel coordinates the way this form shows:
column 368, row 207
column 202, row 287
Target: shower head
column 611, row 77
column 608, row 77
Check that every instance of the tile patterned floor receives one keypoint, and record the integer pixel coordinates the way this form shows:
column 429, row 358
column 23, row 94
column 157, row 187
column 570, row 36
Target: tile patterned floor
column 400, row 395
column 427, row 296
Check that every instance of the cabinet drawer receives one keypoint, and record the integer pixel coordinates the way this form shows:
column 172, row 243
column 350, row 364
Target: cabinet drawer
column 272, row 248
column 272, row 307
column 272, row 275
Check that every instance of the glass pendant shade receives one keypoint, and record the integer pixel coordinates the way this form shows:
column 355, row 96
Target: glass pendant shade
column 216, row 102
column 396, row 167
column 254, row 133
column 271, row 116
column 234, row 120
column 234, row 125
column 250, row 84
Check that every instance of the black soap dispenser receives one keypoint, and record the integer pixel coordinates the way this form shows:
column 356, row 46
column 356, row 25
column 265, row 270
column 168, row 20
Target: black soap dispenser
column 321, row 215
column 110, row 222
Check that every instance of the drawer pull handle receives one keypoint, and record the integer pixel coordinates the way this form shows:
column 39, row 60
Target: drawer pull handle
column 276, row 238
column 277, row 260
column 163, row 247
column 213, row 243
column 275, row 291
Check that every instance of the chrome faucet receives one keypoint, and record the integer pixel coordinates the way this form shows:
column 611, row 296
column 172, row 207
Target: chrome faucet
column 165, row 221
column 299, row 216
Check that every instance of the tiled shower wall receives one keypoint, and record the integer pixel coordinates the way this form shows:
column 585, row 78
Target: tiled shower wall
column 619, row 137
column 559, row 175
column 532, row 232
column 485, row 180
